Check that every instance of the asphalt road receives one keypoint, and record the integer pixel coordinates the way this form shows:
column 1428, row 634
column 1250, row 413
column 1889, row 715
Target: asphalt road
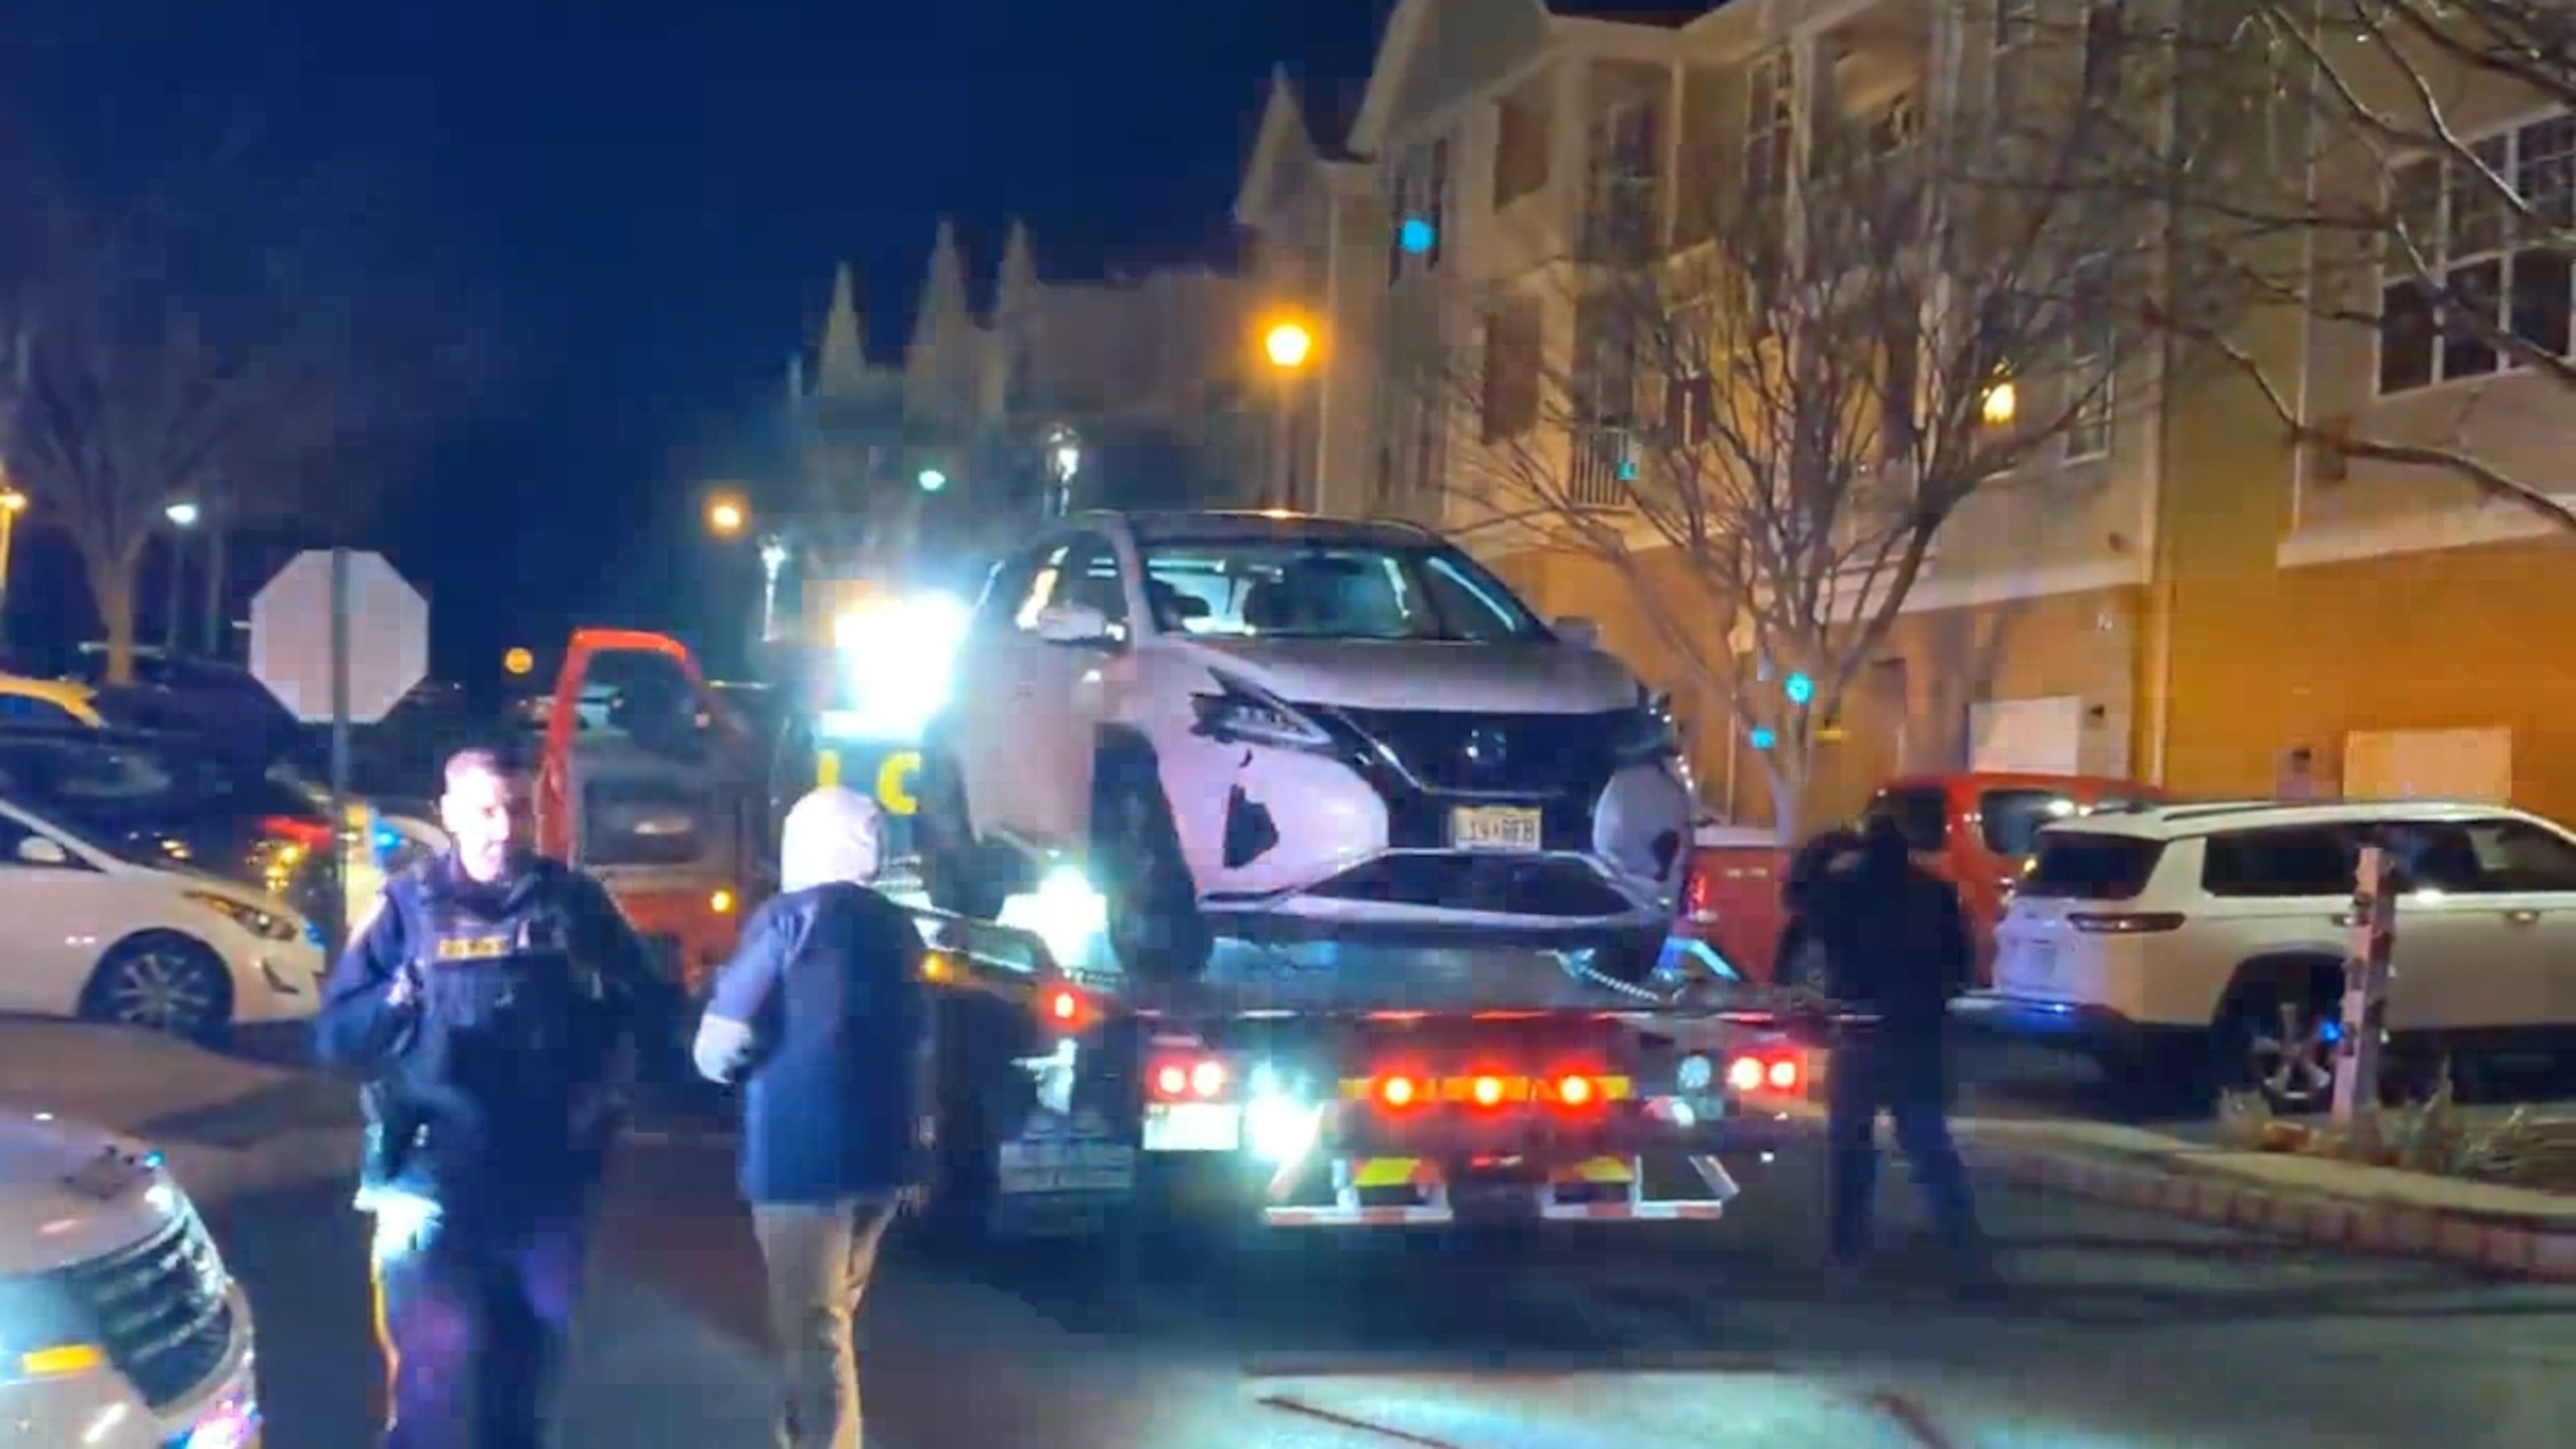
column 2119, row 1331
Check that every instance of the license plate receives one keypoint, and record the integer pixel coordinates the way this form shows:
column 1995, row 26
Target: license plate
column 1494, row 827
column 1193, row 1127
column 1046, row 1168
column 2034, row 966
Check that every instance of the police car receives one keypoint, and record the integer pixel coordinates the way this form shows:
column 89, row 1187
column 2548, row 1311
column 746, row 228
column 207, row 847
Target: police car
column 119, row 1326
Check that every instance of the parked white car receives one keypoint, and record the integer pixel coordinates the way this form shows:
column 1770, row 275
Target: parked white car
column 143, row 941
column 119, row 1326
column 1269, row 727
column 2167, row 937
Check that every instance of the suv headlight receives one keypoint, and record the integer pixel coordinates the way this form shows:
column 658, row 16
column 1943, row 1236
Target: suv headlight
column 1648, row 732
column 1243, row 713
column 265, row 924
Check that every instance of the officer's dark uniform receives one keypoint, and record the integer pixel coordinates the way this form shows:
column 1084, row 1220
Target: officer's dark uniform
column 494, row 1075
column 1897, row 946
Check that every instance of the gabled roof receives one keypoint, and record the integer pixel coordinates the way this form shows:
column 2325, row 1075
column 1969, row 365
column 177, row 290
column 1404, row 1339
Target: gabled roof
column 1283, row 128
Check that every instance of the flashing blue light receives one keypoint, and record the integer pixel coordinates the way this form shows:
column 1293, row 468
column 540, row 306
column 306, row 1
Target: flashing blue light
column 1416, row 235
column 2330, row 1032
column 1761, row 739
column 1799, row 688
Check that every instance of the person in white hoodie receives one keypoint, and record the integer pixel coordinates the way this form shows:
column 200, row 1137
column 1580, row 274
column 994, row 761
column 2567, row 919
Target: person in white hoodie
column 820, row 1017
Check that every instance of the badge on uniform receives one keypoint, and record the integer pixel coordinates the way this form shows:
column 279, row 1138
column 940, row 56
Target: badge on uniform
column 473, row 948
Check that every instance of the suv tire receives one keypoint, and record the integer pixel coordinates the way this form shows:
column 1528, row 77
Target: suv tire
column 2267, row 1039
column 1155, row 928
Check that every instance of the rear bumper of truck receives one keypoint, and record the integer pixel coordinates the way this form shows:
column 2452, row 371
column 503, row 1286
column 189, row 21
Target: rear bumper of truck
column 1654, row 1161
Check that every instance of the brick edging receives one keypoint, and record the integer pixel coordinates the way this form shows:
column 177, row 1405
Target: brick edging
column 2395, row 1229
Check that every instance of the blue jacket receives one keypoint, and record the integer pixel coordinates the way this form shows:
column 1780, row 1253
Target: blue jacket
column 828, row 981
column 495, row 1028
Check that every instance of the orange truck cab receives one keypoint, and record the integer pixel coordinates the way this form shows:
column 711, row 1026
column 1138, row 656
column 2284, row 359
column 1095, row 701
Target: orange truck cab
column 654, row 798
column 1976, row 829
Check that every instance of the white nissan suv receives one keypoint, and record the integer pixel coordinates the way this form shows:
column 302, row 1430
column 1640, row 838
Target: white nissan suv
column 2178, row 935
column 1271, row 727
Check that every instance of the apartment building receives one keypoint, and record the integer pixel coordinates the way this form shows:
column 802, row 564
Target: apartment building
column 2176, row 594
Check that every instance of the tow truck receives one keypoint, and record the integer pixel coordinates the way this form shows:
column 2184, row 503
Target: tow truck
column 1315, row 1086
column 650, row 794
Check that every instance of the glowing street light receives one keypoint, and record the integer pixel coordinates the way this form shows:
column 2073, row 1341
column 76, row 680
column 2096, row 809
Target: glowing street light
column 182, row 515
column 1288, row 345
column 12, row 503
column 1999, row 404
column 931, row 480
column 726, row 517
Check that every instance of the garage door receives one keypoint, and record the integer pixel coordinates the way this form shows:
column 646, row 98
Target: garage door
column 2036, row 736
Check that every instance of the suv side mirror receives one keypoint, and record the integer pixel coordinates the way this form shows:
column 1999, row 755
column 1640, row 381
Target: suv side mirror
column 1073, row 624
column 1578, row 631
column 37, row 850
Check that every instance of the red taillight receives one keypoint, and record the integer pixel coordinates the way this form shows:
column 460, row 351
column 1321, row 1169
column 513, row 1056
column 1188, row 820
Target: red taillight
column 1400, row 1092
column 1487, row 1091
column 2125, row 923
column 1065, row 1008
column 1698, row 892
column 311, row 834
column 1764, row 1073
column 1574, row 1091
column 1187, row 1078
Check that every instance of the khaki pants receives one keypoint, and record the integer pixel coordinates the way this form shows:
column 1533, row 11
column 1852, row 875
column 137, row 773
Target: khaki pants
column 820, row 1259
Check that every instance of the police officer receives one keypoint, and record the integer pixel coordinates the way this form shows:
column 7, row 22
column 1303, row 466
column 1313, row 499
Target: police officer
column 1897, row 948
column 491, row 1002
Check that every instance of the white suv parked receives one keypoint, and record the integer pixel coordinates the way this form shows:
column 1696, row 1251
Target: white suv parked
column 2154, row 935
column 1273, row 727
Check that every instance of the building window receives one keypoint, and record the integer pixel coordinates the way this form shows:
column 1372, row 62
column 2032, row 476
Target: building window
column 2458, row 275
column 1770, row 100
column 1605, row 383
column 1626, row 202
column 1417, row 212
column 1690, row 389
column 1514, row 342
column 2092, row 344
column 1521, row 143
column 2016, row 51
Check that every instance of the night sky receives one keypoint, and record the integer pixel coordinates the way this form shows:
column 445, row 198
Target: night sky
column 646, row 202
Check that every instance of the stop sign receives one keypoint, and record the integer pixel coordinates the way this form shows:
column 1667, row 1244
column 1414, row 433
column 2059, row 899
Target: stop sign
column 290, row 636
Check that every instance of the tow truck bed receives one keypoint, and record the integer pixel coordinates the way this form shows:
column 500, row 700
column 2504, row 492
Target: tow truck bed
column 1445, row 1087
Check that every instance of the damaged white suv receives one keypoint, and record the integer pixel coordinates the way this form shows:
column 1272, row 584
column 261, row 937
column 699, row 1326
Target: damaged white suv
column 1275, row 728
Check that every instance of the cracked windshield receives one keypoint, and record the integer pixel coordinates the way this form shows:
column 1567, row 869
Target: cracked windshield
column 1469, row 724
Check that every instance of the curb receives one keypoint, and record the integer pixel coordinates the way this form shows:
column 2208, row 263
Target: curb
column 2489, row 1243
column 2521, row 1249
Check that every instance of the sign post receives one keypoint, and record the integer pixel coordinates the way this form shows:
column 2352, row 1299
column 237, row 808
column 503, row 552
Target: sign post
column 339, row 637
column 2368, row 970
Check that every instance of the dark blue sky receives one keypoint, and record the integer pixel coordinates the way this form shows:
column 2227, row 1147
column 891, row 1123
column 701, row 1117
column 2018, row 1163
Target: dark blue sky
column 649, row 200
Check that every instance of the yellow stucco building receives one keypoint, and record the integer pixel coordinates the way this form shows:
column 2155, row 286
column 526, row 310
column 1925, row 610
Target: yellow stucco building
column 2191, row 601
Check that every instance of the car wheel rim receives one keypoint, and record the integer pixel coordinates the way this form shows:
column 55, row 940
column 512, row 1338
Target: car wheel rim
column 2292, row 1059
column 161, row 990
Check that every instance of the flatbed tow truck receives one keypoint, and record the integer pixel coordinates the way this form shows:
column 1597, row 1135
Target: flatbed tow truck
column 1068, row 1096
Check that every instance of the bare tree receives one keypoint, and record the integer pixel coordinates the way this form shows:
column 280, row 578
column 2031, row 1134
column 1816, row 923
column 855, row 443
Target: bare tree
column 2404, row 169
column 208, row 335
column 1767, row 434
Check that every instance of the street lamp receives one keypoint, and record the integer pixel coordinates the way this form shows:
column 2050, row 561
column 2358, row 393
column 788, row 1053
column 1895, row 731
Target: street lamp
column 183, row 517
column 1064, row 460
column 931, row 480
column 1999, row 404
column 773, row 561
column 12, row 503
column 1289, row 345
column 726, row 517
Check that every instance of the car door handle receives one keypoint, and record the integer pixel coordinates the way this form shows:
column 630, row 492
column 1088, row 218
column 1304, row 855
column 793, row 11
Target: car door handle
column 2522, row 918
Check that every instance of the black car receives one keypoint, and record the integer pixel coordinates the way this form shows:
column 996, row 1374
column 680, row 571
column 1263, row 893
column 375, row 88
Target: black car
column 172, row 799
